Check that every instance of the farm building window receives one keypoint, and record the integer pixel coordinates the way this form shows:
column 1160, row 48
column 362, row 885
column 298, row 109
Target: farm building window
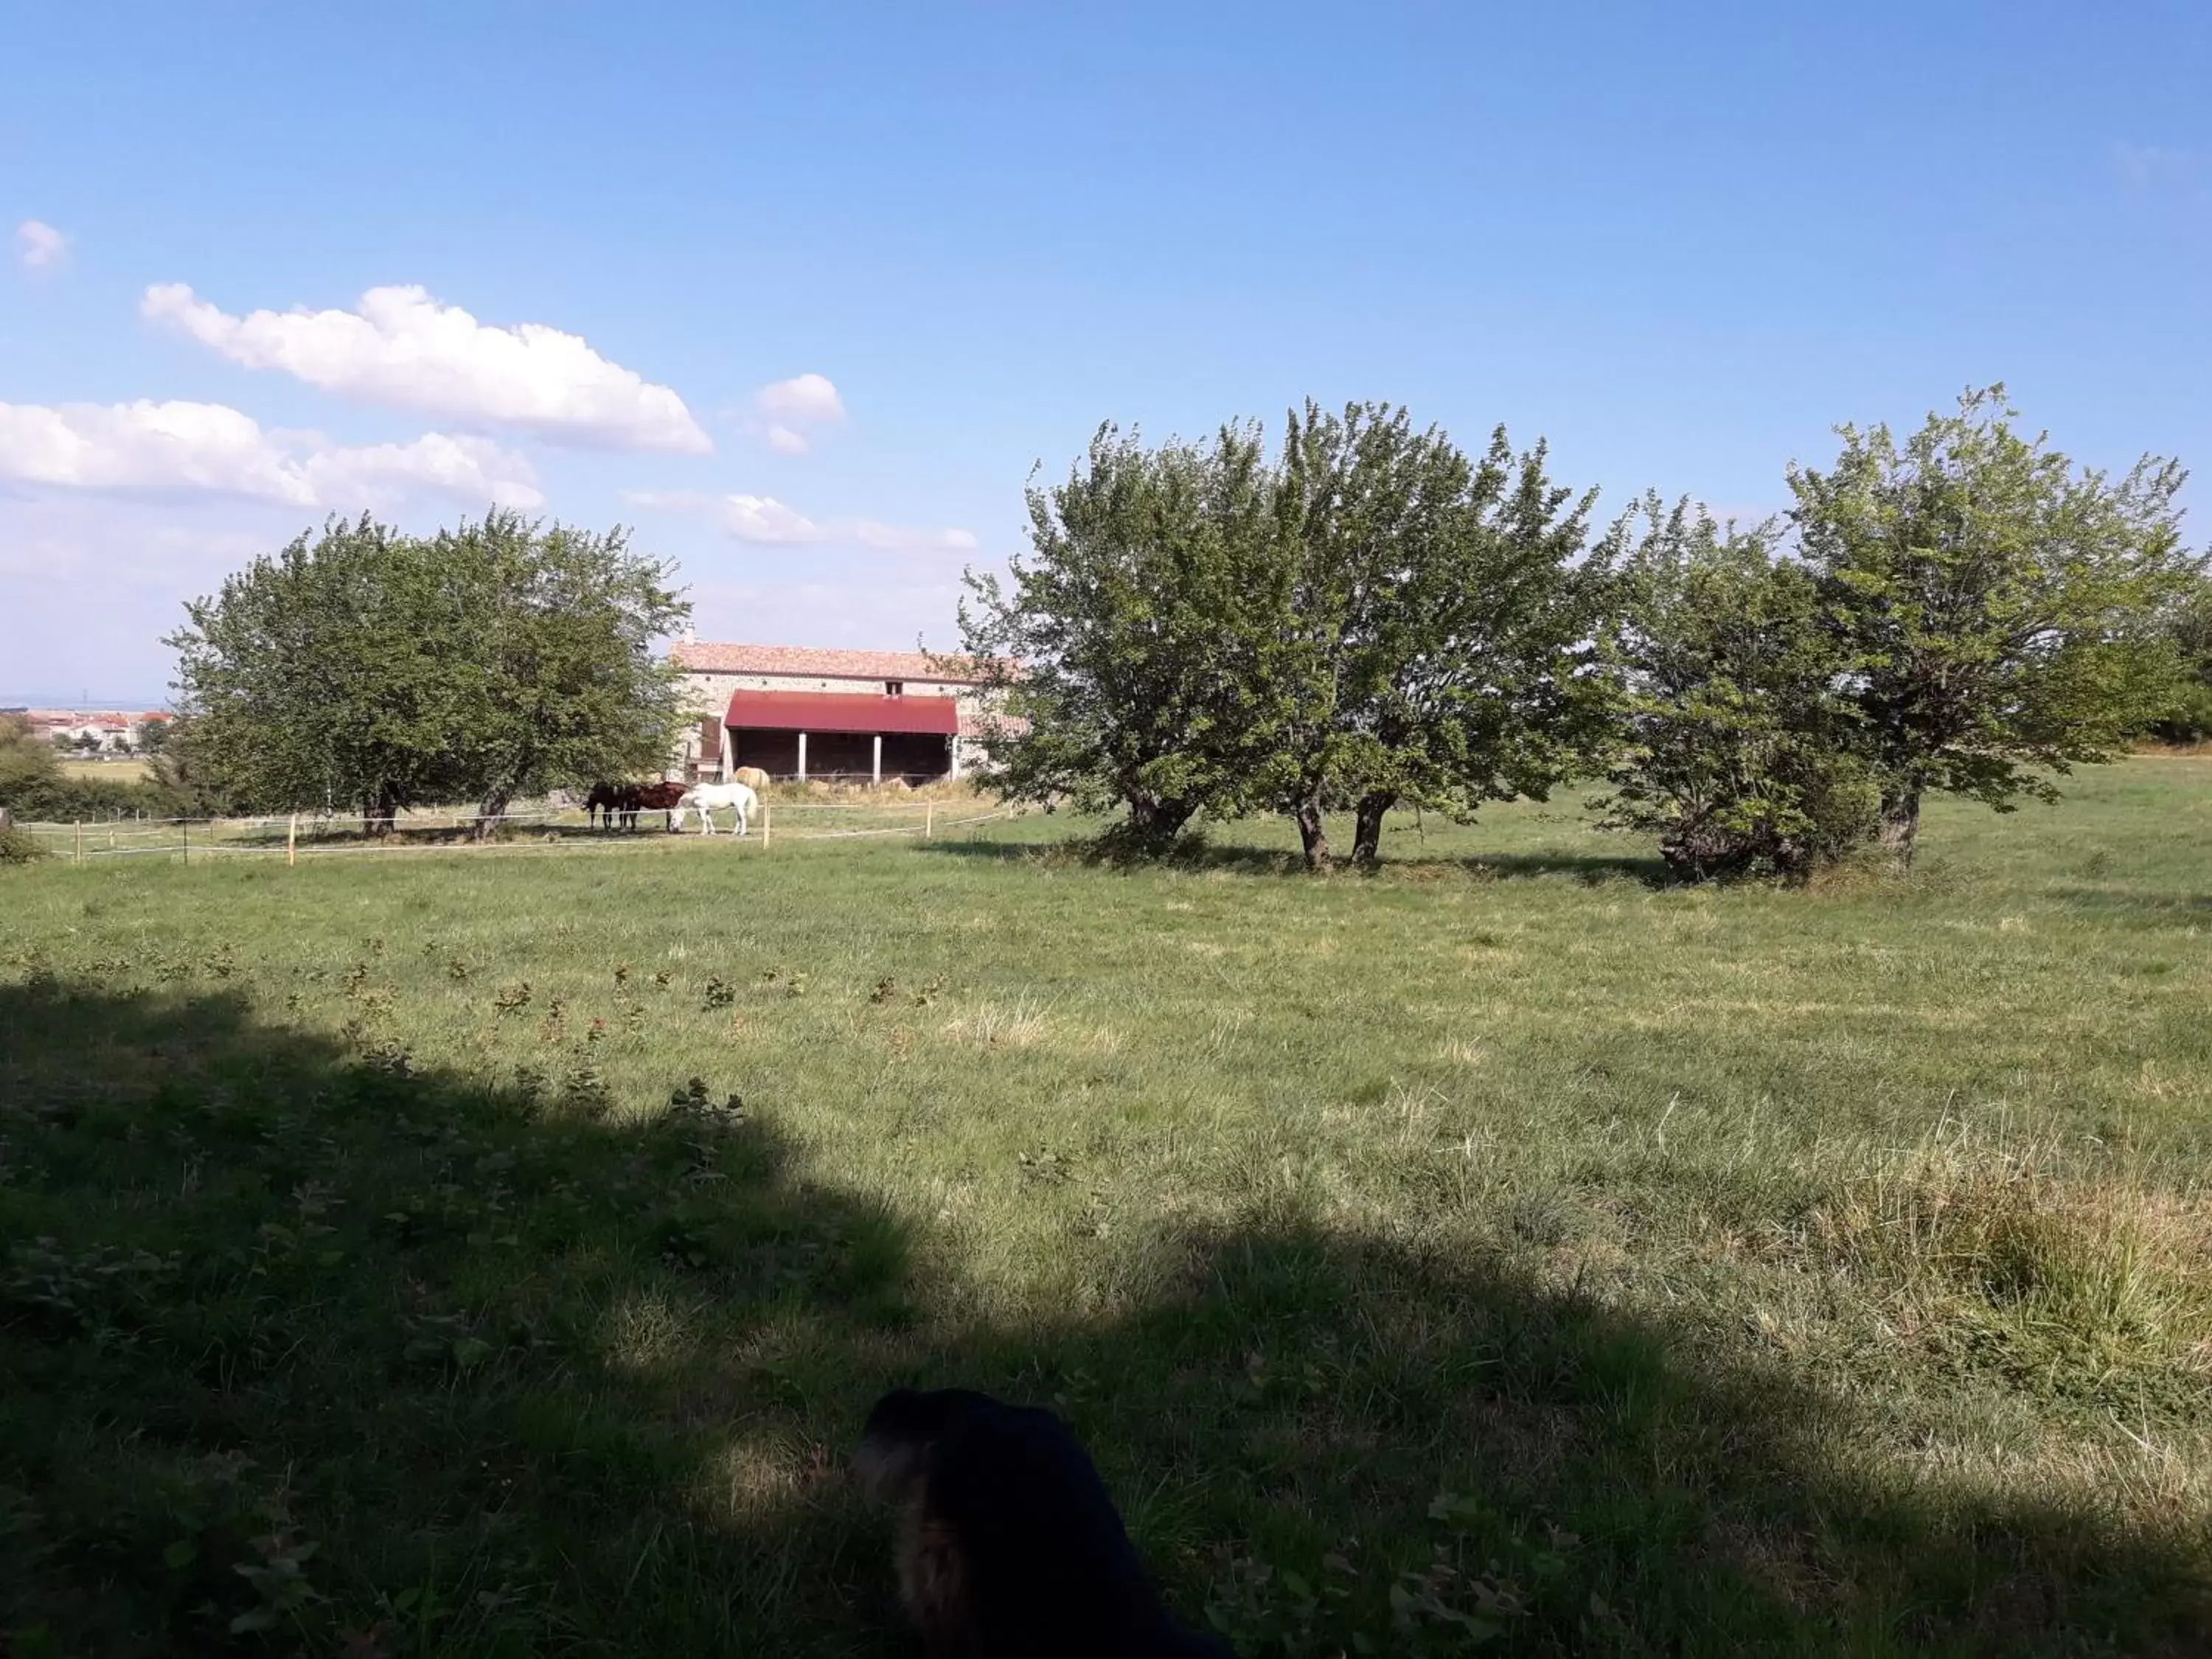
column 894, row 688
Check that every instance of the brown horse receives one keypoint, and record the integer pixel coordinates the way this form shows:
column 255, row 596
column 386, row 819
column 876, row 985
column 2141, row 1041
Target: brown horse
column 652, row 798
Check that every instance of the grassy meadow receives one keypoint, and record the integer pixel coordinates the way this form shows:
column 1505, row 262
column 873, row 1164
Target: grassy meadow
column 120, row 769
column 494, row 1252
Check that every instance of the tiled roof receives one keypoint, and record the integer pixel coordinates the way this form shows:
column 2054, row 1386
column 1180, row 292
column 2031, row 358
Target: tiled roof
column 841, row 711
column 982, row 726
column 90, row 716
column 706, row 656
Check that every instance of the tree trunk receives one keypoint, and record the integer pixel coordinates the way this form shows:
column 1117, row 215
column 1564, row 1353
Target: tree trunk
column 487, row 814
column 378, row 809
column 1313, row 833
column 1900, row 825
column 1157, row 822
column 1367, row 835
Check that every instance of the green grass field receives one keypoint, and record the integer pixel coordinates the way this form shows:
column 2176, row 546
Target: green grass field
column 494, row 1252
column 122, row 769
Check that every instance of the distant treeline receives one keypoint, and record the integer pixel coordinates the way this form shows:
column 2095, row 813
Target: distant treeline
column 1369, row 618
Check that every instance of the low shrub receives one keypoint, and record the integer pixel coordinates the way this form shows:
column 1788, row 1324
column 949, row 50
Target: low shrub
column 21, row 847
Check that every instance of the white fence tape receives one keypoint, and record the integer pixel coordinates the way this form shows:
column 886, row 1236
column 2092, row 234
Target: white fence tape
column 305, row 837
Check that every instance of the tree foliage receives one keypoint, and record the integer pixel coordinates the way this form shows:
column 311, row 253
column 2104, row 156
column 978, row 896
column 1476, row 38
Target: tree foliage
column 380, row 671
column 1736, row 744
column 2187, row 626
column 1435, row 626
column 1372, row 618
column 561, row 685
column 1995, row 603
column 1130, row 635
column 29, row 774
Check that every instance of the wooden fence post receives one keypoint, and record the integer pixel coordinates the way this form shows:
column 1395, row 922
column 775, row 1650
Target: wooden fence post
column 292, row 841
column 185, row 824
column 928, row 819
column 78, row 841
column 768, row 824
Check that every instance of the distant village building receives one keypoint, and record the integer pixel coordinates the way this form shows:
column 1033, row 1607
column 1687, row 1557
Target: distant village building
column 796, row 712
column 102, row 731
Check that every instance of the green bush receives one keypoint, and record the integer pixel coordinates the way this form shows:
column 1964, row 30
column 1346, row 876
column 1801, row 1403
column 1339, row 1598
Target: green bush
column 2190, row 720
column 1736, row 748
column 21, row 847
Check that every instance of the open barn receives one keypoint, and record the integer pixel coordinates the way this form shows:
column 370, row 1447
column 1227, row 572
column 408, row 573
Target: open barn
column 800, row 713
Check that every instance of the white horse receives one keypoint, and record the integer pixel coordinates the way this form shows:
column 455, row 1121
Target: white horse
column 707, row 798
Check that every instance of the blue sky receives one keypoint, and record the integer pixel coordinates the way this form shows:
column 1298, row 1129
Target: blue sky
column 1680, row 242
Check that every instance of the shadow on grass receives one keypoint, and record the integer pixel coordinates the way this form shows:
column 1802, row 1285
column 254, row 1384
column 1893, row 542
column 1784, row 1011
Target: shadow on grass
column 300, row 1346
column 1592, row 869
column 297, row 1342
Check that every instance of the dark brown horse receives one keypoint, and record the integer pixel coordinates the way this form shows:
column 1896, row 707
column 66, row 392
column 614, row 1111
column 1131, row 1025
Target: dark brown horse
column 652, row 798
column 604, row 799
column 609, row 802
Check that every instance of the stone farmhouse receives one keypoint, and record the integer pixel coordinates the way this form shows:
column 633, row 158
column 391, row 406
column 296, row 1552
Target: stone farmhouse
column 797, row 712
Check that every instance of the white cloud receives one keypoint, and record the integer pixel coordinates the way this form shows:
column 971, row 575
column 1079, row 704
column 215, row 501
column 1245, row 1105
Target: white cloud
column 207, row 447
column 803, row 397
column 898, row 539
column 764, row 522
column 802, row 400
column 405, row 349
column 39, row 245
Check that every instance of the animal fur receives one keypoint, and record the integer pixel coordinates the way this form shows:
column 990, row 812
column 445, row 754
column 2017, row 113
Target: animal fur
column 1008, row 1545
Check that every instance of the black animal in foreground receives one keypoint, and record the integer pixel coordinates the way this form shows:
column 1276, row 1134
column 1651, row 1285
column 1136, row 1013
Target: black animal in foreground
column 1008, row 1546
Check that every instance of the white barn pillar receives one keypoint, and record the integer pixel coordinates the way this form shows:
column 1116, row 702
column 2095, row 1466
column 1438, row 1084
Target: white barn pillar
column 955, row 756
column 878, row 777
column 802, row 756
column 728, row 756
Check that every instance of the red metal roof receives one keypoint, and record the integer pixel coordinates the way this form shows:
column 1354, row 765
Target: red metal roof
column 840, row 711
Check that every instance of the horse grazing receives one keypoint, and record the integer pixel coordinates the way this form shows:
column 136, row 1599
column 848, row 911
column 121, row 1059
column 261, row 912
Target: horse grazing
column 707, row 798
column 655, row 798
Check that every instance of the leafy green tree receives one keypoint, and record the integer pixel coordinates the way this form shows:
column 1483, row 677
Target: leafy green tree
column 1436, row 625
column 154, row 735
column 1127, row 634
column 1997, row 604
column 388, row 671
column 564, row 684
column 329, row 672
column 1736, row 740
column 29, row 775
column 2187, row 716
